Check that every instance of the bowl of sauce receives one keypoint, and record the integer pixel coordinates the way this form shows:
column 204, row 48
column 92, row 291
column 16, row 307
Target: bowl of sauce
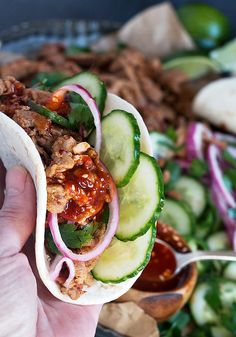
column 157, row 291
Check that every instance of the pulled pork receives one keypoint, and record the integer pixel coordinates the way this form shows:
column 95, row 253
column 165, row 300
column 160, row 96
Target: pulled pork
column 163, row 97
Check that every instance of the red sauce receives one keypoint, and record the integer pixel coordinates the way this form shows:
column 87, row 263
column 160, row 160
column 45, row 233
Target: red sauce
column 58, row 103
column 157, row 275
column 89, row 190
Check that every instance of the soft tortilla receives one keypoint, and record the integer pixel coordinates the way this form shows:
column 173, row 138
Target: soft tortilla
column 216, row 102
column 18, row 148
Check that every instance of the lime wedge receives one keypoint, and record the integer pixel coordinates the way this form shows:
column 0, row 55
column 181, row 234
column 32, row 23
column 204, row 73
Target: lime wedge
column 193, row 66
column 226, row 56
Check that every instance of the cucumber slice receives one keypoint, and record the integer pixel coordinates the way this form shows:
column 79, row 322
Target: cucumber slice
column 193, row 193
column 220, row 331
column 162, row 145
column 227, row 293
column 92, row 83
column 230, row 271
column 178, row 215
column 207, row 223
column 218, row 241
column 200, row 309
column 120, row 145
column 141, row 200
column 123, row 260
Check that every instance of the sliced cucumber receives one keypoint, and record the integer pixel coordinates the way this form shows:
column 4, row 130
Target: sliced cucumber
column 141, row 200
column 227, row 293
column 218, row 241
column 207, row 223
column 230, row 271
column 220, row 331
column 178, row 215
column 200, row 309
column 92, row 83
column 120, row 145
column 123, row 260
column 193, row 193
column 162, row 145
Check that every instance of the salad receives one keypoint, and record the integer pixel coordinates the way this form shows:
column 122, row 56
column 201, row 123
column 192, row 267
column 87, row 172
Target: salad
column 199, row 177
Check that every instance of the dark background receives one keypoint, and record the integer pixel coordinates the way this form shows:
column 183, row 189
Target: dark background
column 16, row 11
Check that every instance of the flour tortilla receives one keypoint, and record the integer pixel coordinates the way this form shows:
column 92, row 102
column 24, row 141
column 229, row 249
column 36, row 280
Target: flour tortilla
column 18, row 148
column 216, row 102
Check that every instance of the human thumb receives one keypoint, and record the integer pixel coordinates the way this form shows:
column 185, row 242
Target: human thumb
column 18, row 214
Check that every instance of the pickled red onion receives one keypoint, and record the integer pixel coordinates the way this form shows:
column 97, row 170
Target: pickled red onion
column 57, row 266
column 195, row 134
column 89, row 100
column 217, row 175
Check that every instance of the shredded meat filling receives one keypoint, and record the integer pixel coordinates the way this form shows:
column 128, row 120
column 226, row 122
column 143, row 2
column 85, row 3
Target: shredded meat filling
column 77, row 185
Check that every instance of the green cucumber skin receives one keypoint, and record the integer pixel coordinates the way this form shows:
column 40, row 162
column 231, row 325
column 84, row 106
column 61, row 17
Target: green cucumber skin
column 140, row 267
column 191, row 215
column 136, row 143
column 101, row 101
column 187, row 209
column 189, row 179
column 159, row 207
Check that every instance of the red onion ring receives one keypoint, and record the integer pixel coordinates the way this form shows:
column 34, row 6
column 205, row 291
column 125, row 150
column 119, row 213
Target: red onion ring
column 217, row 176
column 195, row 134
column 89, row 100
column 110, row 232
column 56, row 267
column 222, row 208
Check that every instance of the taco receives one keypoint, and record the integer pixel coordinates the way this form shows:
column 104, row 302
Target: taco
column 99, row 192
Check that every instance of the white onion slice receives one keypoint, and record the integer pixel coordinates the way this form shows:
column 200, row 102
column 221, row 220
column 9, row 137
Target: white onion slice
column 89, row 100
column 56, row 267
column 217, row 176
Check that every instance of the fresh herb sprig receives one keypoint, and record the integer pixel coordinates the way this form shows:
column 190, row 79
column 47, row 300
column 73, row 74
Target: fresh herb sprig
column 73, row 237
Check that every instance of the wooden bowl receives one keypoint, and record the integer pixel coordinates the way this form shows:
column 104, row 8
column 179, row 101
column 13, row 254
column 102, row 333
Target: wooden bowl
column 166, row 302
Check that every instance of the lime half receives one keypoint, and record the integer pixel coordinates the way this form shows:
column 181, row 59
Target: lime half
column 207, row 25
column 193, row 66
column 226, row 56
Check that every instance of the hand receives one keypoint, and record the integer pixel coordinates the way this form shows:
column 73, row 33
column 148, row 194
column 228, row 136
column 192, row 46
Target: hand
column 26, row 306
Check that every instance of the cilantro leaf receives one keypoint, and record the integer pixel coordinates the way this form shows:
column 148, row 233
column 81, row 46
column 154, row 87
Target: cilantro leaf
column 73, row 237
column 174, row 326
column 230, row 173
column 73, row 50
column 80, row 114
column 228, row 318
column 212, row 296
column 171, row 133
column 198, row 168
column 46, row 81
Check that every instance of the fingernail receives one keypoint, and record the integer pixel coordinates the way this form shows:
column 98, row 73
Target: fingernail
column 15, row 180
